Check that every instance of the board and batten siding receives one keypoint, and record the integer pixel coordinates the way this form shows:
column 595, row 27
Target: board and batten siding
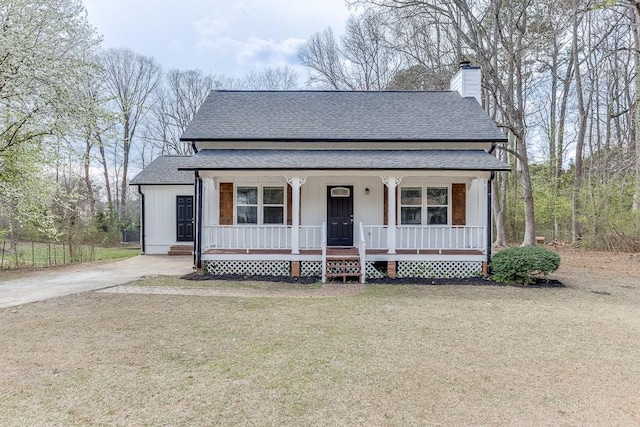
column 160, row 216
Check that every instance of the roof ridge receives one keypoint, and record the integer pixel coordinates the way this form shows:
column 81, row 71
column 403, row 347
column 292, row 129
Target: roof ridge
column 327, row 91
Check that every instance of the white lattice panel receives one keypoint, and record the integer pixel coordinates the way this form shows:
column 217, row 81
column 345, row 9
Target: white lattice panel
column 310, row 268
column 248, row 268
column 438, row 269
column 371, row 272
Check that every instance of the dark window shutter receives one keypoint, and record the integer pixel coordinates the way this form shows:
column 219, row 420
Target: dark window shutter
column 226, row 203
column 459, row 204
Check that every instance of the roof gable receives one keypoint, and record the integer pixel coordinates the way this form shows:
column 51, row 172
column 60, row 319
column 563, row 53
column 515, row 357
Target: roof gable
column 440, row 116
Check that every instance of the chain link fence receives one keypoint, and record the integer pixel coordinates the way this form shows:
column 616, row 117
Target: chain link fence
column 43, row 254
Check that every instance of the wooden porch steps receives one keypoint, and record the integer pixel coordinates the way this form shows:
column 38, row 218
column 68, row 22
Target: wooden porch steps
column 181, row 250
column 343, row 262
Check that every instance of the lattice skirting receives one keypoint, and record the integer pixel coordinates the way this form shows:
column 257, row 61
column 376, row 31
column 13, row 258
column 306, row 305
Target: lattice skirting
column 371, row 272
column 438, row 269
column 249, row 268
column 311, row 268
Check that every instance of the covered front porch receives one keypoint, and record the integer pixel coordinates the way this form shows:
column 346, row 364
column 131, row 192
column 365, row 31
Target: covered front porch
column 434, row 225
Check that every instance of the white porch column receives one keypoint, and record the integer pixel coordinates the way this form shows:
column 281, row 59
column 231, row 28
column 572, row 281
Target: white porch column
column 391, row 182
column 295, row 182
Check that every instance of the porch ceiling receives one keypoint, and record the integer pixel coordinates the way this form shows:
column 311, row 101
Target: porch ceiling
column 467, row 160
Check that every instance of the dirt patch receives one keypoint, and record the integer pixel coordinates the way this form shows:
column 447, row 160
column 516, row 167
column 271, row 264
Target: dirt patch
column 624, row 264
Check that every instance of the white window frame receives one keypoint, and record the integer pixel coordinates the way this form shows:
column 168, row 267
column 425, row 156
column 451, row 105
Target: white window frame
column 260, row 205
column 421, row 205
column 424, row 214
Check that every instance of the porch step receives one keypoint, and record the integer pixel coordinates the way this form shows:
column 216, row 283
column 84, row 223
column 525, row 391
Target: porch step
column 342, row 262
column 181, row 250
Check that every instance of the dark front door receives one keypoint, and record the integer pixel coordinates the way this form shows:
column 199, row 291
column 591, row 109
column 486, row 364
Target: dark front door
column 184, row 218
column 340, row 216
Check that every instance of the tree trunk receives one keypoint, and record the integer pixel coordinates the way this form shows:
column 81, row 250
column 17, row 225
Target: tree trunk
column 576, row 225
column 105, row 172
column 87, row 177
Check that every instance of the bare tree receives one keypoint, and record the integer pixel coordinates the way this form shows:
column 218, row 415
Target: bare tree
column 174, row 106
column 363, row 60
column 279, row 78
column 130, row 79
column 496, row 38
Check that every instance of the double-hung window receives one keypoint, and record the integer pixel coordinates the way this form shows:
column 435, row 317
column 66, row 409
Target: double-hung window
column 437, row 205
column 430, row 210
column 260, row 205
column 411, row 205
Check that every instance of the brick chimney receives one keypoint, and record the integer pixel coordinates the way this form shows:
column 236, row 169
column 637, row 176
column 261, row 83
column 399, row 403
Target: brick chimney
column 467, row 81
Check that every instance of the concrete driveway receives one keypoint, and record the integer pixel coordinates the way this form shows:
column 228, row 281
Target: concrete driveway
column 73, row 279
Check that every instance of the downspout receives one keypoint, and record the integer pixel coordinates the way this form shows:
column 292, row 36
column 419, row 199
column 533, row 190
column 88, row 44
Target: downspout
column 143, row 228
column 489, row 219
column 493, row 147
column 197, row 250
column 193, row 147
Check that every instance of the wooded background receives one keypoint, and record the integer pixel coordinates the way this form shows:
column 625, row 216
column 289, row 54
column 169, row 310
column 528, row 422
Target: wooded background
column 559, row 77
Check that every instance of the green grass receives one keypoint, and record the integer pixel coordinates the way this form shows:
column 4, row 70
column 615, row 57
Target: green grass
column 35, row 254
column 104, row 254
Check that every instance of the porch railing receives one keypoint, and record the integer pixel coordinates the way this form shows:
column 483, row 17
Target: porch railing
column 427, row 237
column 260, row 237
column 362, row 252
column 372, row 237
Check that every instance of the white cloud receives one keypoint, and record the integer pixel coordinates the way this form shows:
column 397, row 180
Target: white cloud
column 216, row 36
column 256, row 51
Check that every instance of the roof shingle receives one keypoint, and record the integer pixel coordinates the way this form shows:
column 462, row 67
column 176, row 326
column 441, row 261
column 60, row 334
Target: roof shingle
column 476, row 160
column 341, row 116
column 164, row 170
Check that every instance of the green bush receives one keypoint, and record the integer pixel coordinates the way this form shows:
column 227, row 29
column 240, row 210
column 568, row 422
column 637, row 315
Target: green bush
column 521, row 263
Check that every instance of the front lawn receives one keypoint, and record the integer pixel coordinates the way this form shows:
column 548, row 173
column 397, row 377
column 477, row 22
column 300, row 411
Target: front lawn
column 378, row 355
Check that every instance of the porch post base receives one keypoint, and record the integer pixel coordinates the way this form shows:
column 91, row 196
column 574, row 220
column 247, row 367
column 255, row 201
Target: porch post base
column 295, row 268
column 391, row 269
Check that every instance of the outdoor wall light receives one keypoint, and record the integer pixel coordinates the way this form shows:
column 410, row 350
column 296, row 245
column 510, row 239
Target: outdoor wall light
column 366, row 190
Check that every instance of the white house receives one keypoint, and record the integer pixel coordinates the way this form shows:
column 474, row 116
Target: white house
column 298, row 182
column 166, row 215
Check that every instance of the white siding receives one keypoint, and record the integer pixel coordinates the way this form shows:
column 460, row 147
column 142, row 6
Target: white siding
column 160, row 216
column 467, row 82
column 368, row 208
column 373, row 145
column 477, row 202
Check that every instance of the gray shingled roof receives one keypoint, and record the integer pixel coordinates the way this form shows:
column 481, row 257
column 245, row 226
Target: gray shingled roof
column 344, row 160
column 341, row 116
column 163, row 171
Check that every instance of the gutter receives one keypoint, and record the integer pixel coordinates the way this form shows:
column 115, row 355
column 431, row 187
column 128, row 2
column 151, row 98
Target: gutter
column 489, row 219
column 143, row 228
column 197, row 247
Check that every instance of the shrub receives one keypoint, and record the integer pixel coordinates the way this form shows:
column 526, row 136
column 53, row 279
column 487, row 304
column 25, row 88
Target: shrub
column 521, row 263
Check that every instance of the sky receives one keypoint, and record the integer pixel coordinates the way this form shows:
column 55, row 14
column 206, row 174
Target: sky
column 221, row 37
